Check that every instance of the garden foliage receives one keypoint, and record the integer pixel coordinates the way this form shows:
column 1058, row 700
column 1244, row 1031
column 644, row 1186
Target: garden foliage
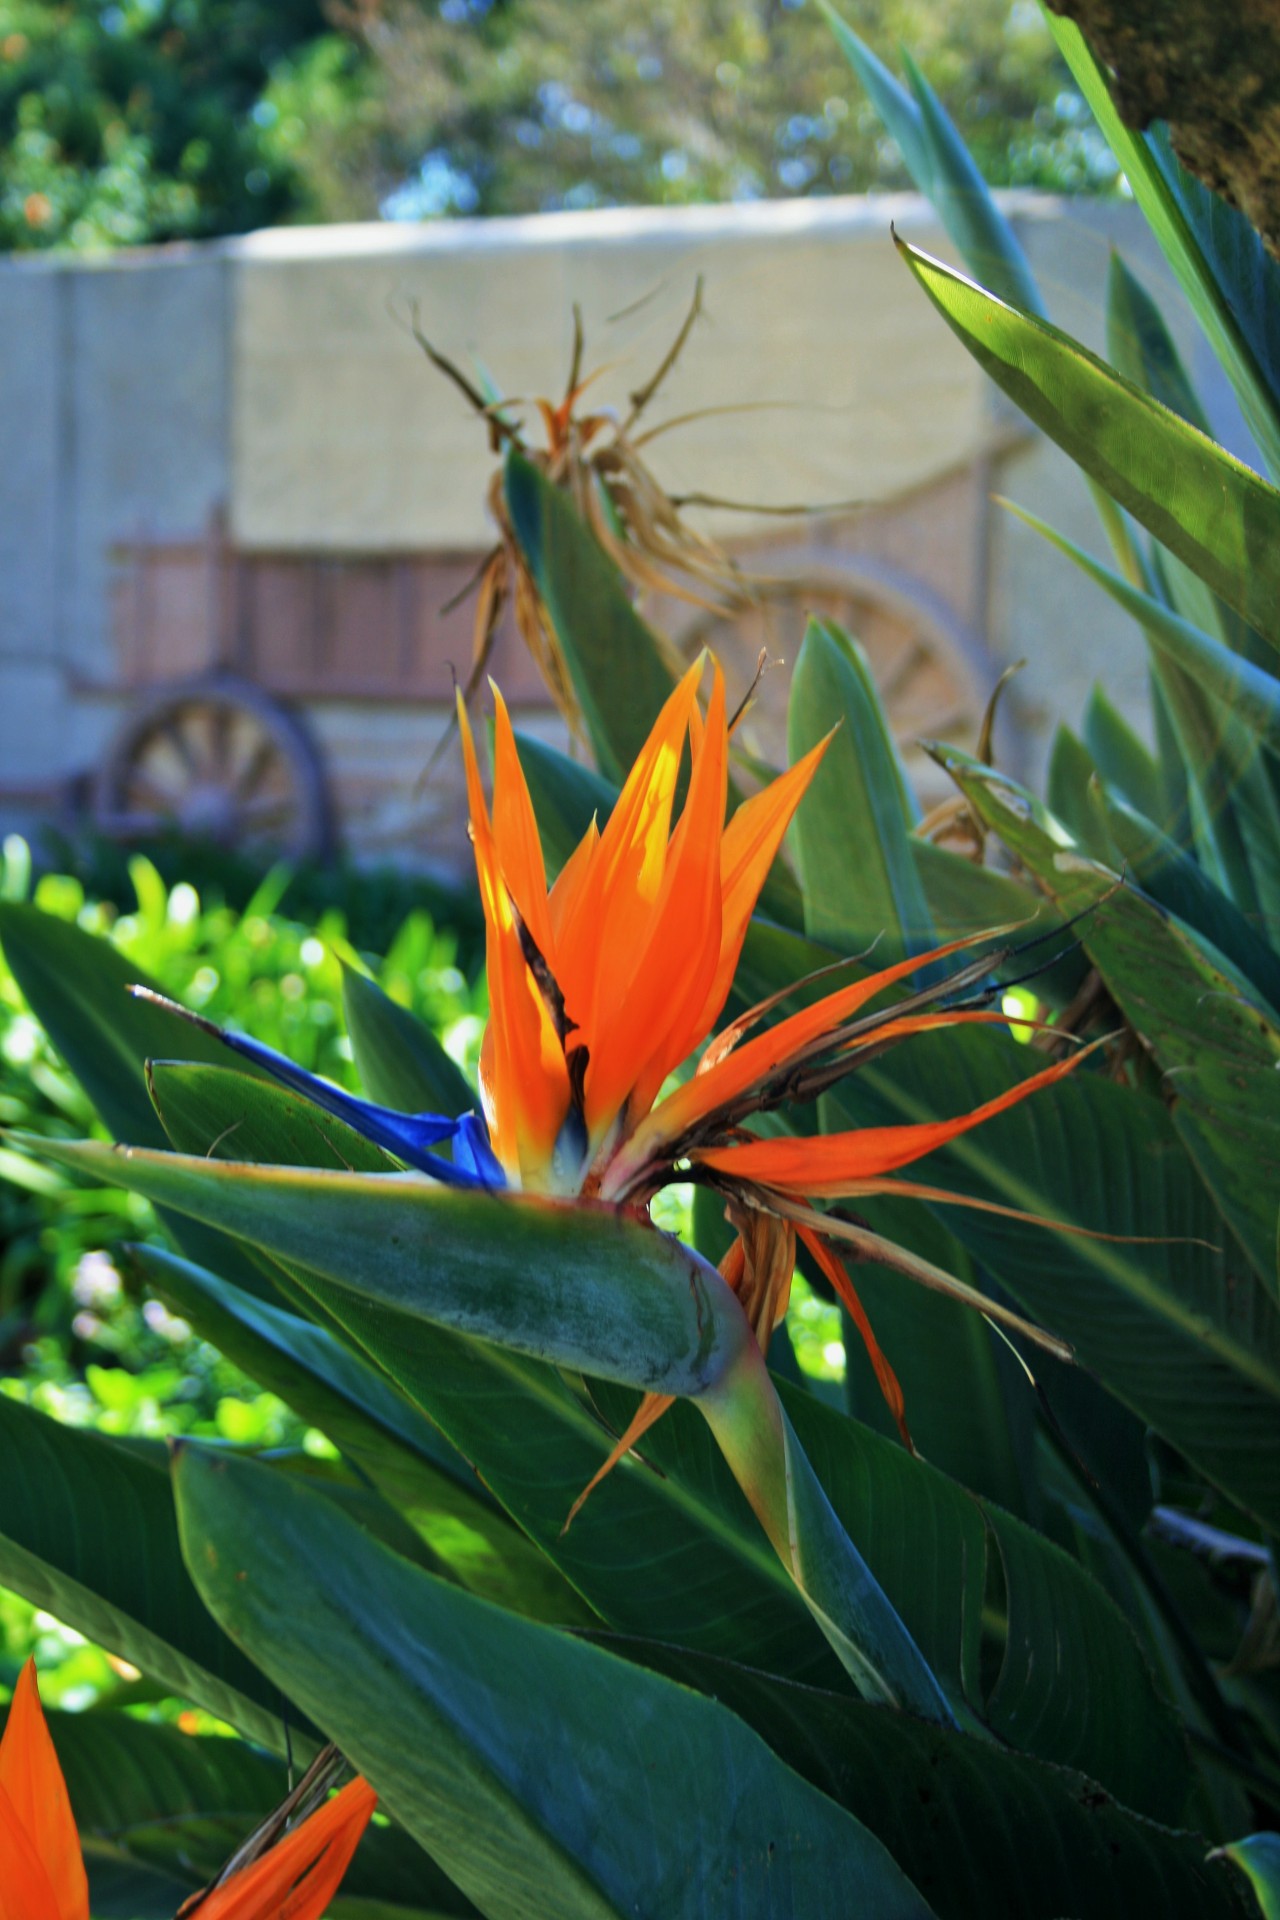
column 1030, row 1667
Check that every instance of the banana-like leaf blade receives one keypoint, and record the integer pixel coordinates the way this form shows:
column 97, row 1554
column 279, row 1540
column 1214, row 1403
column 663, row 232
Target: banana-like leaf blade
column 538, row 1769
column 87, row 1531
column 975, row 1827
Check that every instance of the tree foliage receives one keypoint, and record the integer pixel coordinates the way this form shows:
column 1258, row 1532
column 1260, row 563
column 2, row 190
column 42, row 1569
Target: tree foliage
column 152, row 120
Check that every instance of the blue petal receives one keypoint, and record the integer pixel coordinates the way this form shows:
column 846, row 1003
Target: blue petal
column 409, row 1136
column 471, row 1150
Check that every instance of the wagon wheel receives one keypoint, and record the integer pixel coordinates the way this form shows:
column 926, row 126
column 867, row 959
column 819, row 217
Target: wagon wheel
column 920, row 664
column 216, row 759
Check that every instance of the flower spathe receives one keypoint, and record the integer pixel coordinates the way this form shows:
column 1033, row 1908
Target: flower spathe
column 602, row 985
column 42, row 1873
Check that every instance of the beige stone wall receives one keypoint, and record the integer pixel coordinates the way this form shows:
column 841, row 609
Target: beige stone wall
column 344, row 437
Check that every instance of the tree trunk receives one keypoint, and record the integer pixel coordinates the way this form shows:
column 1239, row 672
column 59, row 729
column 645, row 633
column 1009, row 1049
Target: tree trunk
column 1211, row 68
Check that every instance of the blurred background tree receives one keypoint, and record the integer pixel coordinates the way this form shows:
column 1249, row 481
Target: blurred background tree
column 162, row 119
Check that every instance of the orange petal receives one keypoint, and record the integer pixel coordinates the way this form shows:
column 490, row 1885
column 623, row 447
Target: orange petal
column 515, row 832
column 298, row 1878
column 752, row 1060
column 886, row 1378
column 647, row 1414
column 602, row 940
column 37, row 1796
column 524, row 1081
column 674, row 962
column 25, row 1890
column 829, row 1166
column 750, row 845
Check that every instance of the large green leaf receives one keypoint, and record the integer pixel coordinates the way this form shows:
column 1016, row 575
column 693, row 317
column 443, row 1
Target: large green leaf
column 538, row 1769
column 392, row 1245
column 979, row 1830
column 1071, row 1684
column 613, row 1298
column 172, row 1807
column 1156, row 188
column 87, row 1531
column 855, row 862
column 1208, row 508
column 1211, row 1034
column 380, row 1430
column 617, row 668
column 400, row 1062
column 1179, row 1330
column 698, row 1569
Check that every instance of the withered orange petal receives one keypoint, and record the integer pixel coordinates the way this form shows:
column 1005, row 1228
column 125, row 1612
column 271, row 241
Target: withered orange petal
column 274, row 1887
column 650, row 1031
column 32, row 1779
column 647, row 1414
column 515, row 833
column 824, row 1167
column 25, row 1889
column 886, row 1378
column 751, row 1060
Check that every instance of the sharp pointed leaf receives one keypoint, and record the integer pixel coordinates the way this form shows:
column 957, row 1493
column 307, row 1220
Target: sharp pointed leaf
column 1208, row 508
column 471, row 1723
column 400, row 1062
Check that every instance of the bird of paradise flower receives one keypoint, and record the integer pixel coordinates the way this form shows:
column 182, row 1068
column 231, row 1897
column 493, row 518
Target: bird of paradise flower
column 42, row 1871
column 603, row 984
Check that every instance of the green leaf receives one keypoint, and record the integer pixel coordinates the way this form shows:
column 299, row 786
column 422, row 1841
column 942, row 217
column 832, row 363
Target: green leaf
column 855, row 862
column 566, row 798
column 1070, row 771
column 1258, row 1858
column 470, row 1723
column 1155, row 188
column 380, row 1432
column 616, row 1300
column 1208, row 508
column 1141, row 347
column 400, row 1062
column 87, row 1531
column 942, row 167
column 614, row 660
column 1174, row 880
column 1249, row 692
column 1126, row 765
column 979, row 1829
column 1208, row 1031
column 1072, row 1685
column 710, row 1577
